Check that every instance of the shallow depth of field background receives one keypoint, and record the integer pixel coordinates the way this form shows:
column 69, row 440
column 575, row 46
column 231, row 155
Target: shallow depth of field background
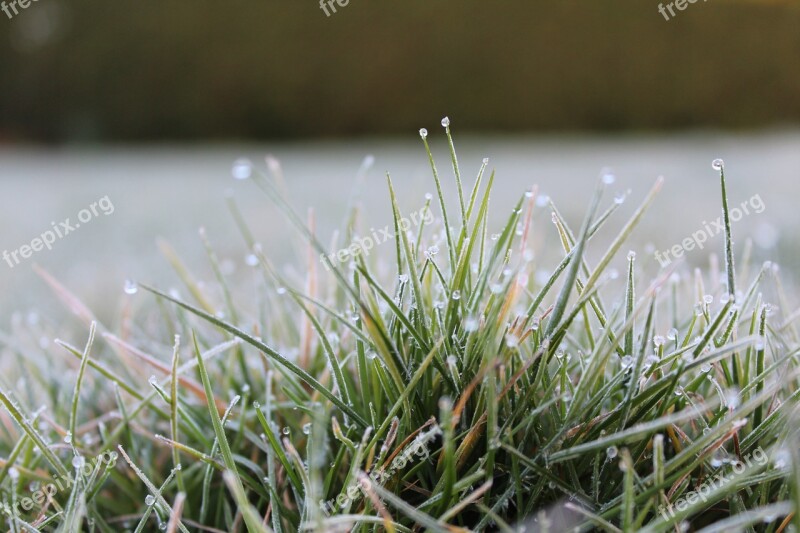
column 150, row 104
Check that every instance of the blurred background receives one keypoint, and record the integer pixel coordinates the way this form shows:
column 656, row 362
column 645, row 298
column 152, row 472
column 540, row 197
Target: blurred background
column 150, row 103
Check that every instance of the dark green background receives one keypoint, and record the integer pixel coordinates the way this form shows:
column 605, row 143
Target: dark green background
column 199, row 69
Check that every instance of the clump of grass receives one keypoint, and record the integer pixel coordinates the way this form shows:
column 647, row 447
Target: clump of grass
column 459, row 392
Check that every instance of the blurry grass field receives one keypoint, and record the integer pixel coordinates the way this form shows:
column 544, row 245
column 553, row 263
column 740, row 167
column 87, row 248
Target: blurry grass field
column 172, row 192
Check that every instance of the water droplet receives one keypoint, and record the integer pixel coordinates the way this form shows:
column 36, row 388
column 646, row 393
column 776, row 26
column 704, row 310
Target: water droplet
column 485, row 160
column 651, row 360
column 626, row 361
column 68, row 438
column 659, row 341
column 286, row 430
column 402, row 278
column 242, row 169
column 307, row 429
column 718, row 164
column 371, row 355
column 705, row 369
column 608, row 176
column 471, row 324
column 452, row 360
column 672, row 334
column 423, row 133
column 445, row 122
column 431, row 252
column 708, row 299
column 512, row 341
column 619, row 199
column 732, row 398
column 760, row 343
column 13, row 473
column 528, row 194
column 130, row 287
column 631, row 256
column 783, row 458
column 612, row 452
column 78, row 461
column 456, row 295
column 149, row 500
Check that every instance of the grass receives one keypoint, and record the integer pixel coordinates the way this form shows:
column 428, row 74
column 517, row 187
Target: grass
column 415, row 390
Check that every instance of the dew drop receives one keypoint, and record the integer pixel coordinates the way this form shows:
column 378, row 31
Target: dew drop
column 130, row 287
column 307, row 429
column 485, row 160
column 431, row 252
column 760, row 343
column 672, row 334
column 456, row 295
column 242, row 169
column 286, row 430
column 659, row 341
column 626, row 361
column 732, row 398
column 631, row 256
column 402, row 278
column 612, row 452
column 423, row 133
column 68, row 438
column 445, row 122
column 149, row 500
column 718, row 164
column 78, row 461
column 608, row 176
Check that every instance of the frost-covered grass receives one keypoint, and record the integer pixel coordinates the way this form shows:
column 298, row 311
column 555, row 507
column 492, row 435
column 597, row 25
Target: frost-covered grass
column 436, row 384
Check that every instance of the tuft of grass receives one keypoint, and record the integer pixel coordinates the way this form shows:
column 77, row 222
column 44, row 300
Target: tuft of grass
column 411, row 389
